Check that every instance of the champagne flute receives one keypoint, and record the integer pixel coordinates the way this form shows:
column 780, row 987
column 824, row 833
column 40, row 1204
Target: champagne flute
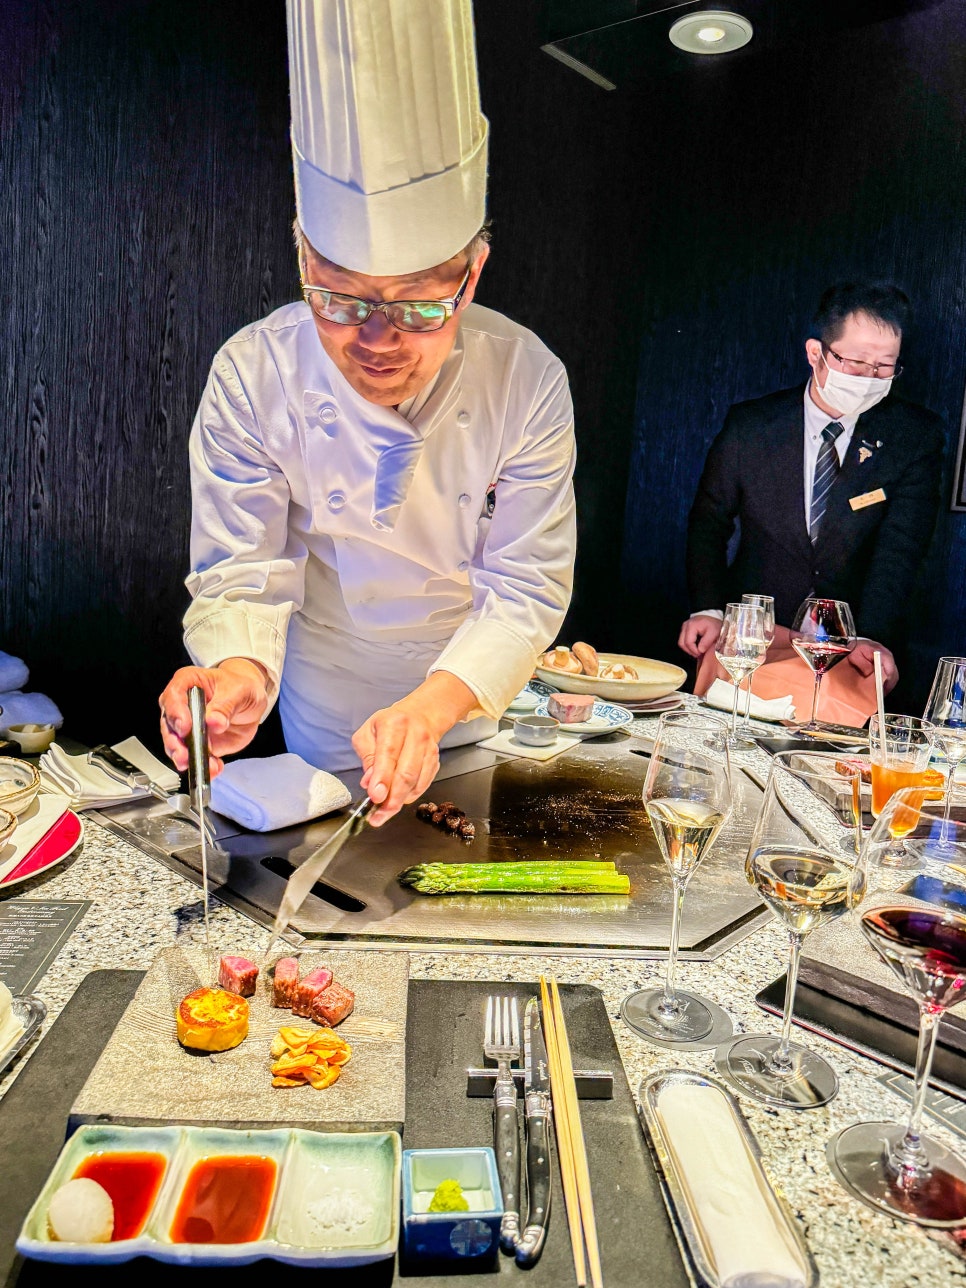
column 805, row 862
column 946, row 710
column 899, row 749
column 894, row 1168
column 740, row 649
column 767, row 605
column 687, row 795
column 823, row 633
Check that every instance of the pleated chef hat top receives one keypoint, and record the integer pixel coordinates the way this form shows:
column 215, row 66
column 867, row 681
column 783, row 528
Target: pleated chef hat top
column 388, row 140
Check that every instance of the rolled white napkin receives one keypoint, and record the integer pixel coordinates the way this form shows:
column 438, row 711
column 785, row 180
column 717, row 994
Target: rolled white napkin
column 722, row 695
column 18, row 708
column 741, row 1223
column 13, row 673
column 275, row 791
column 89, row 787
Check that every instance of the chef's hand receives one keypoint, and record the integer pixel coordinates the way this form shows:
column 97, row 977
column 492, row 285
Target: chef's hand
column 698, row 634
column 399, row 745
column 861, row 659
column 236, row 695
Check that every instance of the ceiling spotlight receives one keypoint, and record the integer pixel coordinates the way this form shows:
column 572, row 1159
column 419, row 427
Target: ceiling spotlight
column 710, row 31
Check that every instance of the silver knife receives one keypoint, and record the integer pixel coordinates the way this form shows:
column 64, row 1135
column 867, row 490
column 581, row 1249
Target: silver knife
column 538, row 1111
column 123, row 770
column 308, row 873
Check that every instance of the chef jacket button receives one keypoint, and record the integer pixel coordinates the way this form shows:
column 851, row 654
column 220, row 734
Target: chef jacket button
column 465, row 499
column 463, row 419
column 336, row 500
column 328, row 414
column 463, row 565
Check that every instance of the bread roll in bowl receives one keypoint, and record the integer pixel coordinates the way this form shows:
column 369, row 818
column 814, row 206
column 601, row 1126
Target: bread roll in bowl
column 587, row 657
column 561, row 659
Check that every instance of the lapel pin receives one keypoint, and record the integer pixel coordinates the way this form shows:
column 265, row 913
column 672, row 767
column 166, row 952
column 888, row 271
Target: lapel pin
column 864, row 454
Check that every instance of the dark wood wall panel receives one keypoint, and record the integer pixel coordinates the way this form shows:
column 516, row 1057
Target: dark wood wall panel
column 667, row 245
column 844, row 160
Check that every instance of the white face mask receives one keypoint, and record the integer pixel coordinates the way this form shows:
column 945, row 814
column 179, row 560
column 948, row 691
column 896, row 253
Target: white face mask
column 851, row 395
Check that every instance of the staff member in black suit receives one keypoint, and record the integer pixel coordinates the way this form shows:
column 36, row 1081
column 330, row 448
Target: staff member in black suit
column 835, row 486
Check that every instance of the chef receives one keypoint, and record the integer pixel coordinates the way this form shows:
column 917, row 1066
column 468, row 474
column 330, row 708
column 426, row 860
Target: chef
column 383, row 524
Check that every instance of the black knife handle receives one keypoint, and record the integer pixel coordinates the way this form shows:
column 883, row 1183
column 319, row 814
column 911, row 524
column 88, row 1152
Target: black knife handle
column 118, row 766
column 531, row 1242
column 506, row 1138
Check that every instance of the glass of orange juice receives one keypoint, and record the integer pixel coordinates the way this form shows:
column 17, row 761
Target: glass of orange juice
column 900, row 748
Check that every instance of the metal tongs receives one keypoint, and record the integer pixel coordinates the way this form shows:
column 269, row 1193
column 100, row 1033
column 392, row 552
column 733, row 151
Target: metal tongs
column 308, row 873
column 199, row 789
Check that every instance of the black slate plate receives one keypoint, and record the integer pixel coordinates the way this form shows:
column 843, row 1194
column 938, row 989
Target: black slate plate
column 445, row 1026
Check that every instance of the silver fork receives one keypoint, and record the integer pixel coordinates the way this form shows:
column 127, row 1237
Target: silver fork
column 501, row 1042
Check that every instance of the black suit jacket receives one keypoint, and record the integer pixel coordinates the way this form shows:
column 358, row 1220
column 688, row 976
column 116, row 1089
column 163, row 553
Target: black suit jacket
column 755, row 474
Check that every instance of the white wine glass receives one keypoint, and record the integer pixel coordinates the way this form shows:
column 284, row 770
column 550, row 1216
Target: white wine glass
column 946, row 711
column 823, row 633
column 767, row 605
column 740, row 648
column 805, row 861
column 687, row 796
column 892, row 1167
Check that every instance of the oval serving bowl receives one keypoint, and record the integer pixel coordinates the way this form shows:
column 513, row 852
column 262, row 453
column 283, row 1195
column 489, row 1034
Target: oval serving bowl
column 655, row 679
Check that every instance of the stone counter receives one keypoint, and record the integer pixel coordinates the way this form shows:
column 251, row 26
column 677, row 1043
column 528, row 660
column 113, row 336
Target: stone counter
column 140, row 907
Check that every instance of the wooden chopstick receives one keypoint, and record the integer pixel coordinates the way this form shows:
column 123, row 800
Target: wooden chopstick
column 564, row 1145
column 576, row 1148
column 584, row 1193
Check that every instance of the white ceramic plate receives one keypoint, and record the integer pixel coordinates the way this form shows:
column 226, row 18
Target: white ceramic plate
column 605, row 718
column 654, row 679
column 312, row 1167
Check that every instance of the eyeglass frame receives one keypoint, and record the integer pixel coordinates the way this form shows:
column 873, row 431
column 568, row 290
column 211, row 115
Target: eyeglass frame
column 450, row 306
column 897, row 367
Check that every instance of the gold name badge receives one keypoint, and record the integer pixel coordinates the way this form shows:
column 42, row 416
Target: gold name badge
column 867, row 498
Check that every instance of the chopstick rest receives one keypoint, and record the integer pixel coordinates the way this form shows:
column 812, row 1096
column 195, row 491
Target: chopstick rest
column 741, row 1228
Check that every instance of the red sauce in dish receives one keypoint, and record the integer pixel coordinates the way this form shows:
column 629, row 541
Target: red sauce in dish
column 225, row 1199
column 132, row 1180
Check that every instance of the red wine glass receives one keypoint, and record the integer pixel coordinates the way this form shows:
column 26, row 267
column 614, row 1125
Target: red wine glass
column 892, row 1168
column 823, row 633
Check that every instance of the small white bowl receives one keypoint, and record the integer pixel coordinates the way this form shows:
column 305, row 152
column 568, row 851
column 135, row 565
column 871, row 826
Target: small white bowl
column 32, row 738
column 536, row 731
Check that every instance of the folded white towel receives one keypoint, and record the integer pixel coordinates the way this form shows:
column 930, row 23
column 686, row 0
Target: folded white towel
column 28, row 708
column 736, row 1211
column 89, row 787
column 275, row 791
column 13, row 673
column 722, row 695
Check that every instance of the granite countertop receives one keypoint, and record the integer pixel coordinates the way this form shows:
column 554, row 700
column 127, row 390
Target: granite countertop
column 140, row 908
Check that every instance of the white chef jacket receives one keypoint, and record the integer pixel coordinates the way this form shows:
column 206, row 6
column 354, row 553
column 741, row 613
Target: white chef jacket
column 351, row 551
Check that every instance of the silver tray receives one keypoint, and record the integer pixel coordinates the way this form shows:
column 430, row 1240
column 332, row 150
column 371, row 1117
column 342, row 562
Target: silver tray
column 30, row 1011
column 649, row 1093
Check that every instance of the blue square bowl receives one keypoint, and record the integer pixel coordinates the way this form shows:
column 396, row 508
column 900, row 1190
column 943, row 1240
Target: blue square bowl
column 450, row 1236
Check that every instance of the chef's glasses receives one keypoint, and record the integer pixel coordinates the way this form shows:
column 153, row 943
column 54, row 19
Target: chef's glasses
column 404, row 315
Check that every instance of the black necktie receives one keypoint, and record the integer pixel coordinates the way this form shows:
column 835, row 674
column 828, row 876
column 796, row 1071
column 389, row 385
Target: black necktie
column 826, row 472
